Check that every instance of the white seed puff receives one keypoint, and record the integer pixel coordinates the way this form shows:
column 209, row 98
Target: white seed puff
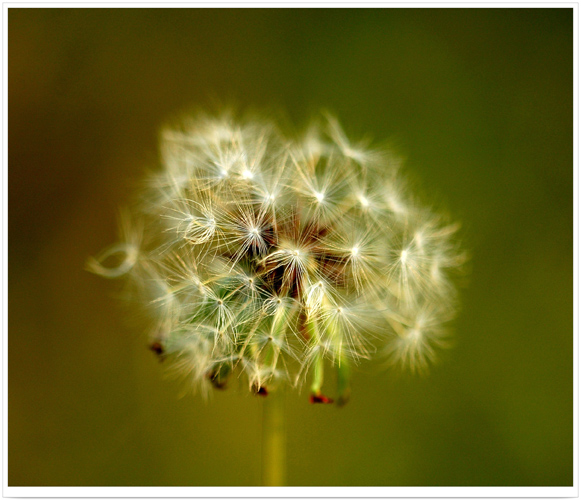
column 275, row 259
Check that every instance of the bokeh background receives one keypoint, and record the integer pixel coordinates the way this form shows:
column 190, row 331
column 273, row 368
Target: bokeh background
column 480, row 103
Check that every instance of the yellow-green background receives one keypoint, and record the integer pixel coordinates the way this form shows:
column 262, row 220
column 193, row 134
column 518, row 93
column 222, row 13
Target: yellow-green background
column 480, row 103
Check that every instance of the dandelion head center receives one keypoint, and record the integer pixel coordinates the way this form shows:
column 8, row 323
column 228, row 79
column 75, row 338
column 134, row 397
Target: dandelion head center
column 404, row 256
column 414, row 335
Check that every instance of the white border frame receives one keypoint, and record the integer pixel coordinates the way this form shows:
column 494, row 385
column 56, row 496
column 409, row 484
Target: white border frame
column 291, row 492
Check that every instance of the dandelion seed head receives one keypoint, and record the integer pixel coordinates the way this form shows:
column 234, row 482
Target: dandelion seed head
column 264, row 257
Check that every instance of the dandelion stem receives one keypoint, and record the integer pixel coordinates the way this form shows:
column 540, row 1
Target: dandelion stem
column 273, row 440
column 318, row 370
column 343, row 380
column 318, row 363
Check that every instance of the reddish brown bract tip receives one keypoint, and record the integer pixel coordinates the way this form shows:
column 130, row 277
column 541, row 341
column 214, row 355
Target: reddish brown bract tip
column 320, row 398
column 260, row 391
column 158, row 349
column 217, row 383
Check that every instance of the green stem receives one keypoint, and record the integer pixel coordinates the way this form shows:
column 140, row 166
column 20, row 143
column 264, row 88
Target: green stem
column 273, row 440
column 343, row 380
column 318, row 374
column 318, row 362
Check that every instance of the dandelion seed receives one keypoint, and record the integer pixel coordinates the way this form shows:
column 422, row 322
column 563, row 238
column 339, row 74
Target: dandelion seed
column 119, row 259
column 315, row 296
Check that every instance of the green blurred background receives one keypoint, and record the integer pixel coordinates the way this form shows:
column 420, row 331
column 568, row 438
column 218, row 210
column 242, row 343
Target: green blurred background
column 479, row 101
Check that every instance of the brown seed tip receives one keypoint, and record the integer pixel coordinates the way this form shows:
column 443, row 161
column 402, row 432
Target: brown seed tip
column 158, row 349
column 320, row 398
column 260, row 391
column 218, row 384
column 215, row 379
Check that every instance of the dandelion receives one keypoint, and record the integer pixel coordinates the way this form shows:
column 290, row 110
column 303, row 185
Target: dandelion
column 275, row 260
